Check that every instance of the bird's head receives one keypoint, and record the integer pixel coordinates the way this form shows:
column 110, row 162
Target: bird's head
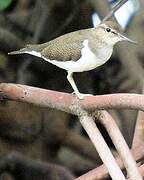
column 111, row 33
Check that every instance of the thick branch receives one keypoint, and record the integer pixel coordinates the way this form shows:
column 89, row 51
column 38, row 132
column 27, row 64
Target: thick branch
column 67, row 102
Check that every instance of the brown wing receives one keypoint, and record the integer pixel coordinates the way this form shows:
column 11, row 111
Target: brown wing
column 67, row 47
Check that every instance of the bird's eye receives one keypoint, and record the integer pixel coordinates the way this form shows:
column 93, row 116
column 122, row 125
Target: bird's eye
column 108, row 29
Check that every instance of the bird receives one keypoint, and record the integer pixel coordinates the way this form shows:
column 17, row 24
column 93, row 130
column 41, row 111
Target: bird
column 79, row 51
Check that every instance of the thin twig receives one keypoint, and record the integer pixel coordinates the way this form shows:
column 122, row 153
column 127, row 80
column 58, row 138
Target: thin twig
column 114, row 9
column 88, row 124
column 120, row 144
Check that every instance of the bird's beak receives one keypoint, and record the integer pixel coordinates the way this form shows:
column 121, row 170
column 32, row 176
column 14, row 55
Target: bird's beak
column 124, row 38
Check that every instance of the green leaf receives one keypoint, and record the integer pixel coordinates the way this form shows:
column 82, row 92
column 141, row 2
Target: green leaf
column 4, row 4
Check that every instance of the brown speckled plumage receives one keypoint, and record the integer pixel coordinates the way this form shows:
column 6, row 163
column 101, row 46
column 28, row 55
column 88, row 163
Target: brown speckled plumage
column 66, row 47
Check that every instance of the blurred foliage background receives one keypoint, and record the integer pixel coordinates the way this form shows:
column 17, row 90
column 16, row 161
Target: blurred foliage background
column 47, row 135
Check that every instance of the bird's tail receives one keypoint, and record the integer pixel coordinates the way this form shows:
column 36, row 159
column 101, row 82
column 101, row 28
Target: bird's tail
column 21, row 51
column 28, row 48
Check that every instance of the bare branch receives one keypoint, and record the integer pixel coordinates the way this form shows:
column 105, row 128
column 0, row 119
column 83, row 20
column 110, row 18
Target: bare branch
column 67, row 102
column 102, row 148
column 139, row 129
column 102, row 173
column 120, row 144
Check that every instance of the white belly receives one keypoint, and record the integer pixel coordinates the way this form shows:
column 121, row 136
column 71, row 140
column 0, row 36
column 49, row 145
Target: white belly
column 83, row 64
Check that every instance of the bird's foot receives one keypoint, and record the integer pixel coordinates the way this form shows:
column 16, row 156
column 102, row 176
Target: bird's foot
column 80, row 95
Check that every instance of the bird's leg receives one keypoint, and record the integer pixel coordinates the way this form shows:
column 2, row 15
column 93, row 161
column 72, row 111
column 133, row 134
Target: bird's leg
column 71, row 81
column 76, row 91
